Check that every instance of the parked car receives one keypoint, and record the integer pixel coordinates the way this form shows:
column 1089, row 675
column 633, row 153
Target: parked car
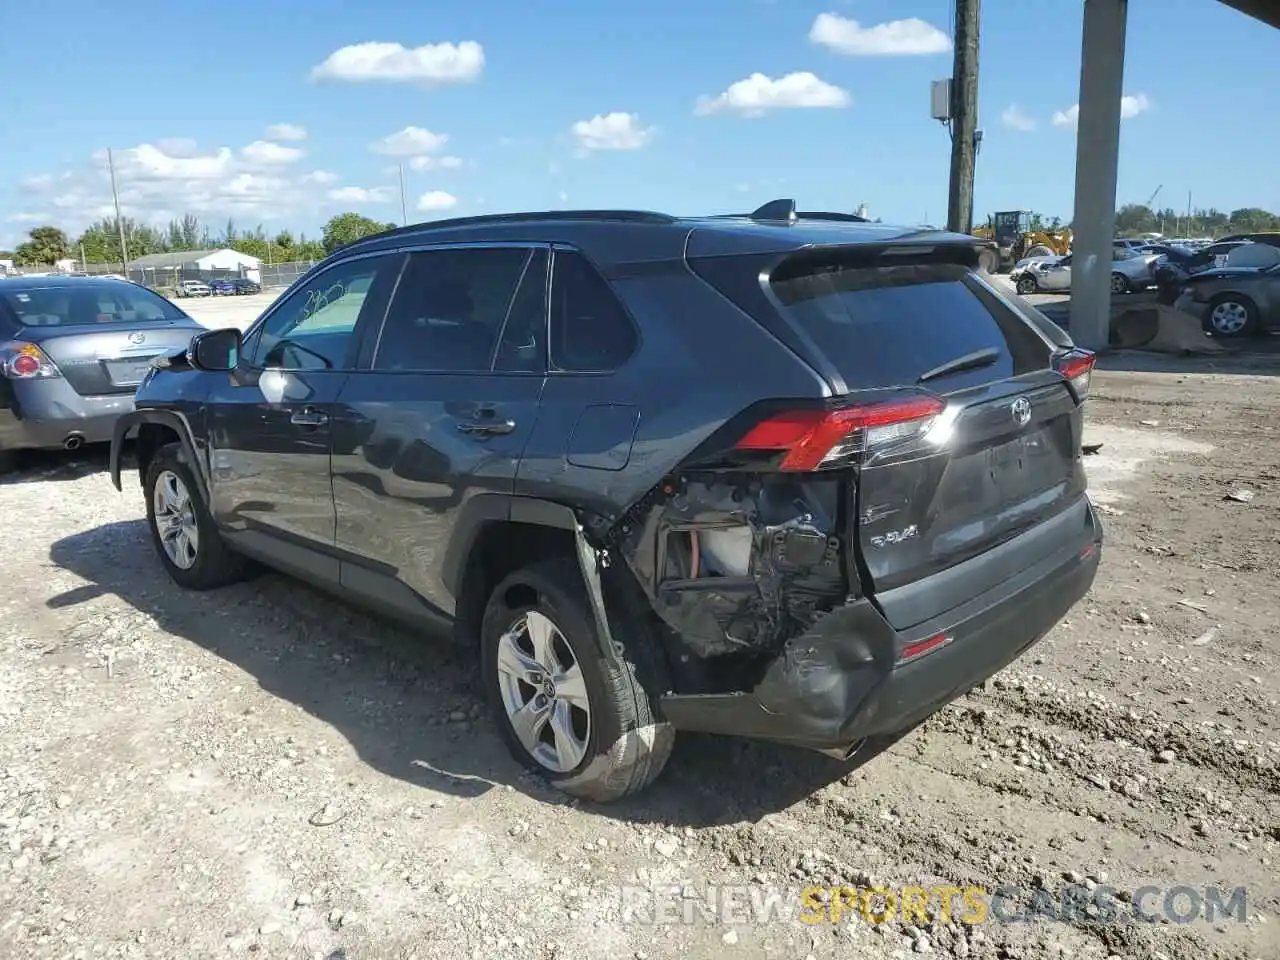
column 194, row 288
column 72, row 352
column 848, row 492
column 222, row 288
column 243, row 286
column 1129, row 272
column 1234, row 301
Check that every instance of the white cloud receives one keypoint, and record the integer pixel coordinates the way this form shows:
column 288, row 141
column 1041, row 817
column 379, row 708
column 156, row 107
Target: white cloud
column 362, row 194
column 396, row 63
column 148, row 162
column 1015, row 119
column 897, row 38
column 41, row 181
column 1130, row 107
column 759, row 93
column 409, row 142
column 267, row 154
column 612, row 131
column 179, row 146
column 436, row 200
column 28, row 218
column 435, row 163
column 286, row 131
column 322, row 177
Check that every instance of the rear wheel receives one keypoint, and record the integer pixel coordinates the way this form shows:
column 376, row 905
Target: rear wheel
column 185, row 537
column 1027, row 284
column 1231, row 315
column 1119, row 283
column 586, row 724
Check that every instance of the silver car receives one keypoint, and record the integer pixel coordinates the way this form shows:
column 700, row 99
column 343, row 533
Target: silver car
column 72, row 353
column 1129, row 272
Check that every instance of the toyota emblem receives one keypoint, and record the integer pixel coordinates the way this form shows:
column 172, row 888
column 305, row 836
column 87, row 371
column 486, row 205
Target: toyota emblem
column 136, row 337
column 1020, row 409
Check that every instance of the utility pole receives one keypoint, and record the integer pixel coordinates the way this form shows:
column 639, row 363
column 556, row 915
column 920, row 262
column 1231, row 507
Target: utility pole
column 404, row 210
column 964, row 116
column 115, row 197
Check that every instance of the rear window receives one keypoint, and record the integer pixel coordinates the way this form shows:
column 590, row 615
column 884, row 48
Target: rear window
column 74, row 305
column 884, row 326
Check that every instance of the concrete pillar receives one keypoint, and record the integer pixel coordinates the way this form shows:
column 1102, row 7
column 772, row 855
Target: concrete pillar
column 1097, row 155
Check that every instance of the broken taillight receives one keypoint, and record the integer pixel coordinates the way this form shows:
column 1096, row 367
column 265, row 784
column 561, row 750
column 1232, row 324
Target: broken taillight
column 813, row 439
column 1077, row 366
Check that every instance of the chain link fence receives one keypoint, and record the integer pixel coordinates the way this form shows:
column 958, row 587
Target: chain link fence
column 165, row 280
column 280, row 275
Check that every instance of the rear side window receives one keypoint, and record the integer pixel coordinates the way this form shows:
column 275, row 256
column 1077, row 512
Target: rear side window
column 450, row 308
column 590, row 331
column 883, row 326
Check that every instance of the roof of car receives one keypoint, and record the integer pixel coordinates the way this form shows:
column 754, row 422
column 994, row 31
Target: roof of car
column 622, row 236
column 44, row 281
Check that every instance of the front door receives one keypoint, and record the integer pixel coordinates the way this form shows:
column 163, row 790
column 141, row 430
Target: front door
column 442, row 414
column 270, row 421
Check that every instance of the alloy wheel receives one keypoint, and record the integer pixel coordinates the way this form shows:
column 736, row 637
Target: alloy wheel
column 1229, row 317
column 175, row 520
column 543, row 692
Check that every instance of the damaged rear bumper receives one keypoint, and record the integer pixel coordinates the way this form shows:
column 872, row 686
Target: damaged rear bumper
column 844, row 679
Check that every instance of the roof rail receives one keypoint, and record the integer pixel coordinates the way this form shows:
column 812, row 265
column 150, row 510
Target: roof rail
column 615, row 216
column 824, row 215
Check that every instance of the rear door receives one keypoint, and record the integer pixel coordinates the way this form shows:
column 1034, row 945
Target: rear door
column 442, row 412
column 1001, row 459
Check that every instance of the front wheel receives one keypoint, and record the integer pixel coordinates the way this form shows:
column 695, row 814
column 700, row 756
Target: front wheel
column 1119, row 283
column 185, row 537
column 1027, row 285
column 586, row 722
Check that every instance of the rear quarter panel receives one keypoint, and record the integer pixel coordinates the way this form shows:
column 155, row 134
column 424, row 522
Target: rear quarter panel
column 699, row 362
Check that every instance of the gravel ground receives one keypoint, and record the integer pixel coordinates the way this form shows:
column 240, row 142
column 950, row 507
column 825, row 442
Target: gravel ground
column 261, row 771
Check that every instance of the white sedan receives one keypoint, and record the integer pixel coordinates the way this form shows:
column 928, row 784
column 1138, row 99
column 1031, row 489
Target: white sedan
column 1129, row 271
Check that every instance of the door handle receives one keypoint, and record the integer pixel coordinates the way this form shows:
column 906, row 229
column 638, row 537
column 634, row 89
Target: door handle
column 487, row 428
column 309, row 417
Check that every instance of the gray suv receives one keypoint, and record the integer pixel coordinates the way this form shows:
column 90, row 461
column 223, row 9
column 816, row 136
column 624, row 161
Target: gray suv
column 785, row 475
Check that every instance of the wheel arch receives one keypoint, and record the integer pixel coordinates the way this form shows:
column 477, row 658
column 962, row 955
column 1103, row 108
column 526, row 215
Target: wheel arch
column 152, row 429
column 497, row 534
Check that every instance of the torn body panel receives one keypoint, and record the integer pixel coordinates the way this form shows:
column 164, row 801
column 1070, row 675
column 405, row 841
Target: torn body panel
column 738, row 564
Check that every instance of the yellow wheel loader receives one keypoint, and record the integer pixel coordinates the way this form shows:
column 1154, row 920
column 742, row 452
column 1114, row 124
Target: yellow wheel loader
column 1011, row 232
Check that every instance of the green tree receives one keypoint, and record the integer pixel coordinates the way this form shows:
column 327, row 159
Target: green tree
column 46, row 246
column 347, row 228
column 284, row 241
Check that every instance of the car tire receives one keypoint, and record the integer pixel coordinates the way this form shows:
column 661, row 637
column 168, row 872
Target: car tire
column 1119, row 283
column 1027, row 285
column 1231, row 315
column 202, row 562
column 607, row 740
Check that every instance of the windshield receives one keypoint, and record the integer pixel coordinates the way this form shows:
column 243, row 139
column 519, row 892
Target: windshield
column 75, row 305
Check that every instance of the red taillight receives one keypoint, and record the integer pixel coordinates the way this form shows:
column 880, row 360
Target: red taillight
column 24, row 361
column 814, row 438
column 25, row 365
column 918, row 649
column 1077, row 366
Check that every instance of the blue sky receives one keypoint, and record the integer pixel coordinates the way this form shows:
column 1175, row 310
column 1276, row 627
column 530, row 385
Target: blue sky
column 569, row 103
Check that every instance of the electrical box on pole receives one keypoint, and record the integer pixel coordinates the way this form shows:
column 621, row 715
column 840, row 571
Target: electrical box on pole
column 940, row 100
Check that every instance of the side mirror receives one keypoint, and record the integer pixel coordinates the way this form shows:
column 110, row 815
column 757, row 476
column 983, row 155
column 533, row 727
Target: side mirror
column 216, row 350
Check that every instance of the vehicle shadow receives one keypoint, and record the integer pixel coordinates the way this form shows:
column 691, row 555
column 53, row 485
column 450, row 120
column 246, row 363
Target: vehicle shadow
column 44, row 466
column 399, row 698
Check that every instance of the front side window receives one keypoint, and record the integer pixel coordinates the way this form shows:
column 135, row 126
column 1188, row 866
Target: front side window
column 312, row 328
column 452, row 306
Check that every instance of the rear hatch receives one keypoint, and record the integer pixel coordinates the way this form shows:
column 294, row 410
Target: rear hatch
column 967, row 416
column 109, row 358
